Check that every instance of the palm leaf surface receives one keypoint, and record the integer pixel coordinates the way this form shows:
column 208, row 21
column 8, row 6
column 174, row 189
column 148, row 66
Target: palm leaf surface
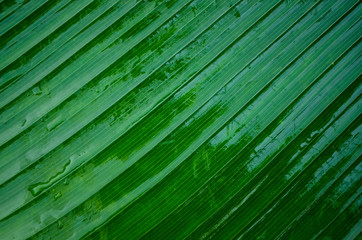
column 179, row 119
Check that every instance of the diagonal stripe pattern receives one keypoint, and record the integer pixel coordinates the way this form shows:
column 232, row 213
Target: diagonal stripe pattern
column 180, row 119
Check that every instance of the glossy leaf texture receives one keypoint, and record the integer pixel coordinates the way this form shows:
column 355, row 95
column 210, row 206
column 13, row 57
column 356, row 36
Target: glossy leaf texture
column 180, row 119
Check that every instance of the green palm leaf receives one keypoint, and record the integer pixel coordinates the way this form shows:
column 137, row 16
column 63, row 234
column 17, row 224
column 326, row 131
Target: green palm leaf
column 180, row 119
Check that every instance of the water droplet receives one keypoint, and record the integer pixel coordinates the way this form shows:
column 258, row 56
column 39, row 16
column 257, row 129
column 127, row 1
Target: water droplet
column 36, row 91
column 58, row 195
column 113, row 118
column 60, row 224
column 54, row 123
column 194, row 10
column 66, row 181
column 303, row 145
column 37, row 188
column 314, row 133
